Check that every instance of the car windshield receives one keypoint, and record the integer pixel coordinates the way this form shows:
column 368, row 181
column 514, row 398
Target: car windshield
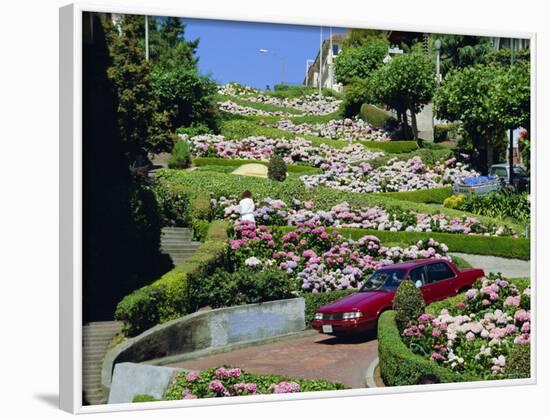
column 384, row 280
column 519, row 171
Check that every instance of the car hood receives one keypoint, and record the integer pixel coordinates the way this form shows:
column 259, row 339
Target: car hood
column 357, row 301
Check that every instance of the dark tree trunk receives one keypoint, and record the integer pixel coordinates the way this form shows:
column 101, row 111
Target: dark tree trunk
column 414, row 125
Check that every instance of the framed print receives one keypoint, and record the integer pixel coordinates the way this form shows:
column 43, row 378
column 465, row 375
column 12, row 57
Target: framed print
column 266, row 211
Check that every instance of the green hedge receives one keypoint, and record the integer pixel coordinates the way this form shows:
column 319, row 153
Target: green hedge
column 235, row 163
column 402, row 146
column 506, row 247
column 315, row 300
column 430, row 196
column 316, row 118
column 167, row 298
column 240, row 129
column 445, row 131
column 398, row 365
column 268, row 107
column 375, row 116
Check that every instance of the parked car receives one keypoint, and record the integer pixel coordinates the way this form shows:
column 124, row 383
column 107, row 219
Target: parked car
column 520, row 179
column 359, row 312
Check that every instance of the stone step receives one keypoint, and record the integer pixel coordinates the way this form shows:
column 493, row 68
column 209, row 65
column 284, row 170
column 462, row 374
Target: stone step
column 104, row 324
column 179, row 250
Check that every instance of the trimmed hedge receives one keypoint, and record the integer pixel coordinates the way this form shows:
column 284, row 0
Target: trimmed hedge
column 240, row 129
column 398, row 365
column 399, row 146
column 167, row 298
column 235, row 163
column 408, row 303
column 316, row 118
column 506, row 247
column 375, row 116
column 430, row 196
column 268, row 107
column 315, row 300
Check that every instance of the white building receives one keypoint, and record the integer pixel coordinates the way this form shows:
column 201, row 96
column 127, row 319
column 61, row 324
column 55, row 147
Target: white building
column 331, row 48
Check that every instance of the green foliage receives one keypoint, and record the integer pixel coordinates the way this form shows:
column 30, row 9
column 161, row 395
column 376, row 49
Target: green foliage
column 503, row 56
column 429, row 196
column 317, row 300
column 276, row 170
column 408, row 304
column 267, row 107
column 360, row 61
column 195, row 129
column 358, row 37
column 356, row 94
column 143, row 398
column 316, row 118
column 398, row 365
column 518, row 363
column 240, row 129
column 461, row 263
column 168, row 297
column 297, row 91
column 200, row 387
column 392, row 147
column 200, row 229
column 375, row 116
column 459, row 51
column 232, row 164
column 500, row 205
column 174, row 203
column 142, row 124
column 224, row 288
column 454, row 201
column 201, row 208
column 181, row 156
column 445, row 131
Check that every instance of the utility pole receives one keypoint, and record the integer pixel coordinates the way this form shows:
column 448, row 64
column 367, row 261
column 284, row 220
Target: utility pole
column 147, row 38
column 320, row 62
column 331, row 63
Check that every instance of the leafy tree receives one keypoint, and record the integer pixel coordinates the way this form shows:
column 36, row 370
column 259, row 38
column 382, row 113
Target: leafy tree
column 407, row 82
column 361, row 61
column 459, row 51
column 357, row 93
column 358, row 37
column 487, row 100
column 143, row 126
column 504, row 57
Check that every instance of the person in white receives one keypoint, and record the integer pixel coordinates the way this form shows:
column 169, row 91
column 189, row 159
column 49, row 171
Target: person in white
column 247, row 207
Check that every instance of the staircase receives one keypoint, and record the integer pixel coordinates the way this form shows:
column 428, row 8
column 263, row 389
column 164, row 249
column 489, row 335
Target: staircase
column 95, row 340
column 176, row 242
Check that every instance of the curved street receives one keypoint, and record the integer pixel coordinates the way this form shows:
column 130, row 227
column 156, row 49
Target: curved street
column 311, row 355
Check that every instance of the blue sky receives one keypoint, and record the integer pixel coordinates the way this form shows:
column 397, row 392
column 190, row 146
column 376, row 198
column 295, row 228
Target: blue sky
column 229, row 51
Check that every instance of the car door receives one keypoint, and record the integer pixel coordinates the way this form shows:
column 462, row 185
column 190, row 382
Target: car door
column 419, row 277
column 440, row 282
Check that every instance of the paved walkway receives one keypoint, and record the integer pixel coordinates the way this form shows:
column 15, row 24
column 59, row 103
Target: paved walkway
column 510, row 268
column 312, row 356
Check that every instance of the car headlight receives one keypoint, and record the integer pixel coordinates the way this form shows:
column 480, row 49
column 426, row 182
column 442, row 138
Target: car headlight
column 318, row 316
column 352, row 315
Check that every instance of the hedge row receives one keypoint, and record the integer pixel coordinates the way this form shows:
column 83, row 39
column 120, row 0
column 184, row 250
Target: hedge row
column 506, row 247
column 430, row 196
column 258, row 105
column 235, row 163
column 167, row 298
column 399, row 366
column 399, row 146
column 375, row 116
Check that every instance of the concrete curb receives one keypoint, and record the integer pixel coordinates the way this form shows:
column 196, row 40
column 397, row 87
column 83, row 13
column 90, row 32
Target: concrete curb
column 369, row 375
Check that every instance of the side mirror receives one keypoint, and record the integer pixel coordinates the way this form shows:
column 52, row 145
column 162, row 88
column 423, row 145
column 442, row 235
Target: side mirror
column 418, row 283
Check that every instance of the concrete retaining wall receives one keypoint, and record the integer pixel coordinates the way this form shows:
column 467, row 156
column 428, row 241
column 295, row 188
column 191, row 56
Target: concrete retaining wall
column 205, row 330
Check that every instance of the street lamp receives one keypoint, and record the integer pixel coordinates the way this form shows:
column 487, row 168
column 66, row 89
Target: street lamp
column 279, row 57
column 437, row 46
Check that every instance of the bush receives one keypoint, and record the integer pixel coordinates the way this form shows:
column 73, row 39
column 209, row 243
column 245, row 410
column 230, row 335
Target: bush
column 316, row 300
column 518, row 364
column 402, row 146
column 454, row 201
column 276, row 170
column 408, row 304
column 143, row 398
column 181, row 156
column 235, row 163
column 194, row 130
column 168, row 297
column 500, row 205
column 173, row 202
column 239, row 129
column 224, row 288
column 200, row 229
column 398, row 365
column 446, row 131
column 430, row 196
column 201, row 208
column 375, row 116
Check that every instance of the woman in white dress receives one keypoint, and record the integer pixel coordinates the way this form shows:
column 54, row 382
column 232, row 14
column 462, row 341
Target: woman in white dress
column 247, row 207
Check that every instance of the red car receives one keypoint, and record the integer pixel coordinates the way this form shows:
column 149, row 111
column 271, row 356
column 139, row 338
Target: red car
column 359, row 312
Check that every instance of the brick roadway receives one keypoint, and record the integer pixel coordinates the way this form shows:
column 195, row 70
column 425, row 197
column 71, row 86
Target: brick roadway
column 313, row 356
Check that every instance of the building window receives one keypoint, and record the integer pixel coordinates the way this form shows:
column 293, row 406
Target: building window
column 335, row 49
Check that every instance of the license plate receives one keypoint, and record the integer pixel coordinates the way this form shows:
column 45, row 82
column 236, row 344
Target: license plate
column 327, row 328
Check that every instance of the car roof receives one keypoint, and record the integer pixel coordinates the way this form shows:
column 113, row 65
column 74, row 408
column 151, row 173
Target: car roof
column 412, row 263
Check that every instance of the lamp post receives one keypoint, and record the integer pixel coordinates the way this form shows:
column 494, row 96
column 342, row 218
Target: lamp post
column 437, row 46
column 147, row 38
column 279, row 57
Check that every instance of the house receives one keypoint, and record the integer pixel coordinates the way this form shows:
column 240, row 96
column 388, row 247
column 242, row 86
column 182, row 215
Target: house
column 330, row 49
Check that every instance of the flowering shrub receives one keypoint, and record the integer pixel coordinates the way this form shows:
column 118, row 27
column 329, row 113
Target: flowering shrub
column 319, row 260
column 272, row 212
column 396, row 175
column 477, row 338
column 336, row 129
column 232, row 382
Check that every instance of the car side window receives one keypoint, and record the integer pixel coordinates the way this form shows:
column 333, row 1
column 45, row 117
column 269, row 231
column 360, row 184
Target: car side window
column 439, row 271
column 501, row 172
column 418, row 276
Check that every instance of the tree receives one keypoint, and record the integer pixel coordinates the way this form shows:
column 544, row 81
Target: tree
column 361, row 61
column 407, row 82
column 143, row 126
column 459, row 51
column 487, row 100
column 358, row 37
